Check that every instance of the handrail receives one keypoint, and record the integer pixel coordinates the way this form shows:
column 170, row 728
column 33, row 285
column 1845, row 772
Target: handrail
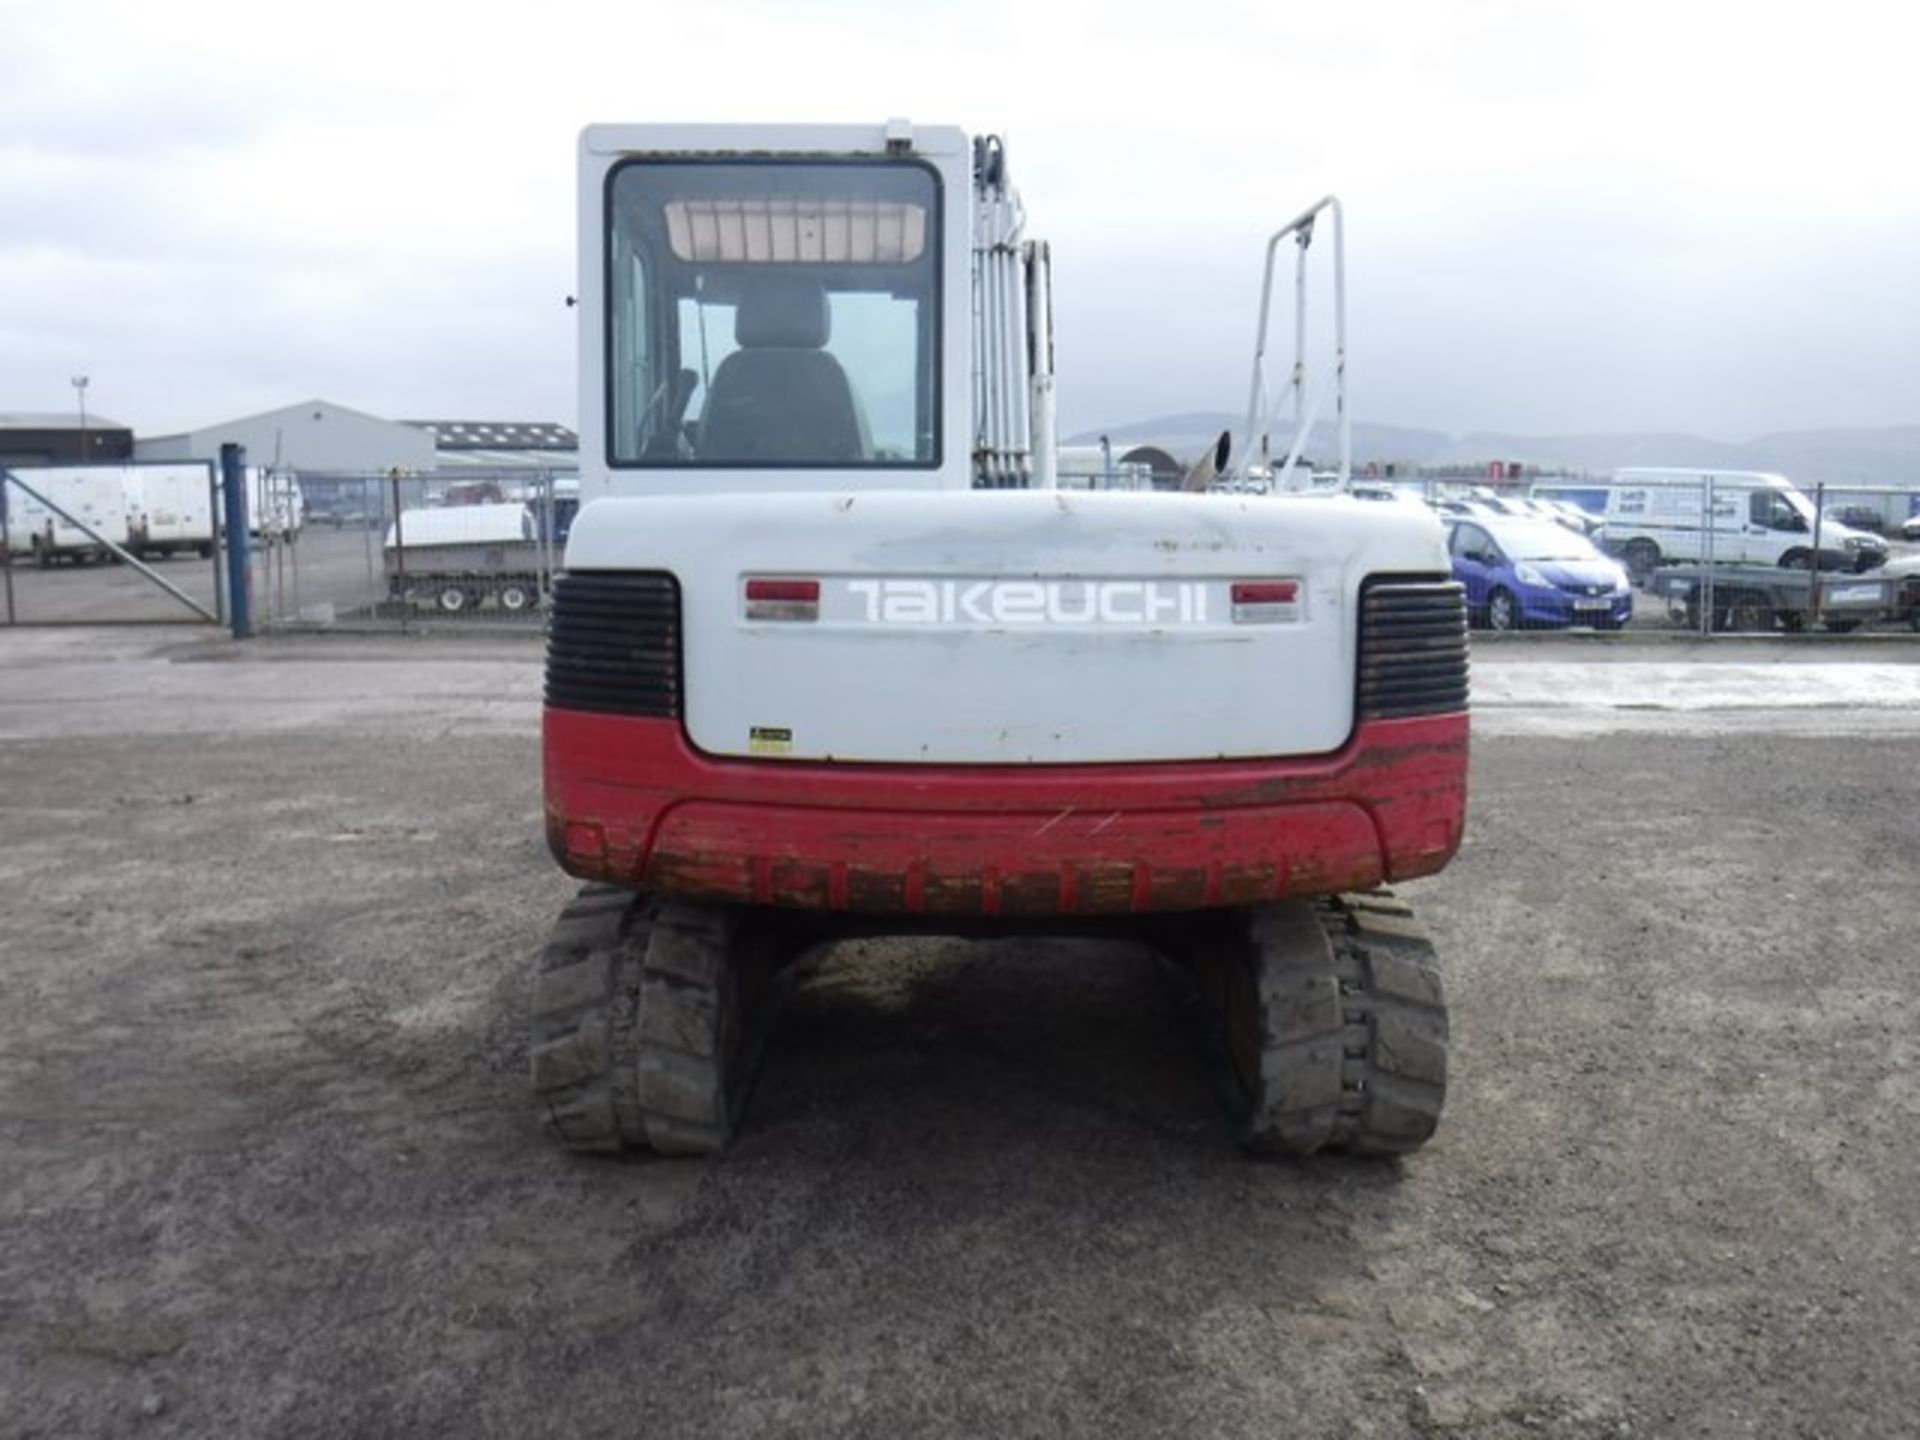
column 1301, row 227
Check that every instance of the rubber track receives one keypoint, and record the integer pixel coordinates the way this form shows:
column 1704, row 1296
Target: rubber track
column 1353, row 1028
column 691, row 1062
column 635, row 1014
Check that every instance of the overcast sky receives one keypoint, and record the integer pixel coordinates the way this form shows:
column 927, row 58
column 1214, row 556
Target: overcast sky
column 1561, row 218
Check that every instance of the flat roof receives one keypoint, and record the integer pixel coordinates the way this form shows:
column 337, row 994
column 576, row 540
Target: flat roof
column 55, row 420
column 497, row 434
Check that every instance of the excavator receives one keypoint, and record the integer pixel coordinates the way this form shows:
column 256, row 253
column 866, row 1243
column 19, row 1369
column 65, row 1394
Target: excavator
column 836, row 652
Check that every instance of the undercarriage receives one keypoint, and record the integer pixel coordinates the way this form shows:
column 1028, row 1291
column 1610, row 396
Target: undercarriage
column 1324, row 1018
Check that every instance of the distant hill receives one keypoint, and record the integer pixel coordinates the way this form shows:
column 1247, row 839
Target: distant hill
column 1882, row 456
column 1888, row 455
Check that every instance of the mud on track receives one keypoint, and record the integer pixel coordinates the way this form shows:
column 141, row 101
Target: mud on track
column 267, row 1165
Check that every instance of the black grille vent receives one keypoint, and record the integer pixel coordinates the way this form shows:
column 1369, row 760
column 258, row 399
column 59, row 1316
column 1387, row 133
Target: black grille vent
column 1413, row 648
column 613, row 644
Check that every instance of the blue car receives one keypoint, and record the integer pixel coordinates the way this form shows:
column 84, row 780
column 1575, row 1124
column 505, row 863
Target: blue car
column 1532, row 574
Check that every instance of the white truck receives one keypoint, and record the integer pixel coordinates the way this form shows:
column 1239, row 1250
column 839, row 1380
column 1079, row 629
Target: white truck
column 1659, row 516
column 93, row 494
column 834, row 654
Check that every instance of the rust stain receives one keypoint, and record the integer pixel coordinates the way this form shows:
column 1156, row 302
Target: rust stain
column 1031, row 892
column 1184, row 889
column 876, row 892
column 952, row 894
column 1106, row 889
column 1246, row 884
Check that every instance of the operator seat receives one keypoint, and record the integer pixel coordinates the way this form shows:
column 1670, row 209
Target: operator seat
column 780, row 397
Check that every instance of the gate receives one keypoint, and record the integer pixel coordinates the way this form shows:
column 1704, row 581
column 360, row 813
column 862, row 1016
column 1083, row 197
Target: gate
column 126, row 543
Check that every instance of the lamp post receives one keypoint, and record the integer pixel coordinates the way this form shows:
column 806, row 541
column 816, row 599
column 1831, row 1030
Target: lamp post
column 80, row 390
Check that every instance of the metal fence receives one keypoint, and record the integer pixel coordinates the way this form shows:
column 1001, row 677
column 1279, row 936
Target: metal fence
column 1693, row 552
column 1648, row 553
column 403, row 552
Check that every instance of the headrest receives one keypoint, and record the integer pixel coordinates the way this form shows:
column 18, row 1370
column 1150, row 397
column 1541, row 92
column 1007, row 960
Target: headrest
column 782, row 311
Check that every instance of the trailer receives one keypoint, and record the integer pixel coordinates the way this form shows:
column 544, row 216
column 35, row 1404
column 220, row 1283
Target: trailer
column 1904, row 574
column 457, row 558
column 1766, row 597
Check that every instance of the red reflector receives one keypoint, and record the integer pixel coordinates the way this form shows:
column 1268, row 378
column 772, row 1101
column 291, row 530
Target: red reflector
column 806, row 591
column 769, row 599
column 1265, row 592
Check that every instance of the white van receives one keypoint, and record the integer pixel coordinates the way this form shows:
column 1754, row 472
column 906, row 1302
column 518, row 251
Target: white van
column 276, row 505
column 1658, row 517
column 170, row 507
column 93, row 494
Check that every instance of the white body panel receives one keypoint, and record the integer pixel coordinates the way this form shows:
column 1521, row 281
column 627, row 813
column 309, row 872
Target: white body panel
column 943, row 147
column 170, row 506
column 1015, row 626
column 93, row 493
column 1666, row 506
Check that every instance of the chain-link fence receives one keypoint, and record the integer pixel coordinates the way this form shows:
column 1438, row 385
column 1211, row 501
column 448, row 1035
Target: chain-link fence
column 404, row 551
column 1651, row 551
column 1682, row 552
column 1643, row 551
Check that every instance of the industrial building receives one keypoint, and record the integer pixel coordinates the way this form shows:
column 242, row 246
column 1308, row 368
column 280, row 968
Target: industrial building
column 315, row 437
column 351, row 462
column 60, row 439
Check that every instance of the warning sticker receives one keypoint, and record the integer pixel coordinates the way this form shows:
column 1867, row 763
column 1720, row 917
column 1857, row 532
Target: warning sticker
column 769, row 740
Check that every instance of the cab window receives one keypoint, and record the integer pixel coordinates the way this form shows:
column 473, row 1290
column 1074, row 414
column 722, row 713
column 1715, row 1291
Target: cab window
column 1470, row 542
column 773, row 314
column 1772, row 510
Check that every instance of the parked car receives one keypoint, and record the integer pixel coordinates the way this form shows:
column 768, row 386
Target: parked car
column 1865, row 518
column 1910, row 528
column 1570, row 515
column 1382, row 490
column 1527, row 574
column 1453, row 506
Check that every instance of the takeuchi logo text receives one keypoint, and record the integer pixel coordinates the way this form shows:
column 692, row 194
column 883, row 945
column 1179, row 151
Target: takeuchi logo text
column 1031, row 602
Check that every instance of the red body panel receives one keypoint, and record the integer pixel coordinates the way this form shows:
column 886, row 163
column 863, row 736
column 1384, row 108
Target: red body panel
column 631, row 801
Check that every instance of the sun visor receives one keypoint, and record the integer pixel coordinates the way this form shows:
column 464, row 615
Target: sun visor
column 796, row 230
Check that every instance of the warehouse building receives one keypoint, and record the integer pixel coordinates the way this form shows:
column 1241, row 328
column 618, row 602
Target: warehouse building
column 315, row 437
column 351, row 463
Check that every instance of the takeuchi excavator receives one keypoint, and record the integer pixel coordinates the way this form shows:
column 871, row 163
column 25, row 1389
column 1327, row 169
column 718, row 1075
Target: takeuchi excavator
column 838, row 651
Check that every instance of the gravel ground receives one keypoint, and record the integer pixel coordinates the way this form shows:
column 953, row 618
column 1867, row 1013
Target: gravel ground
column 267, row 1164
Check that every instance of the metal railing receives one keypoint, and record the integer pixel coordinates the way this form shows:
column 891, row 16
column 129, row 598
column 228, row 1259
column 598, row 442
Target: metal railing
column 1706, row 554
column 1256, row 447
column 391, row 551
